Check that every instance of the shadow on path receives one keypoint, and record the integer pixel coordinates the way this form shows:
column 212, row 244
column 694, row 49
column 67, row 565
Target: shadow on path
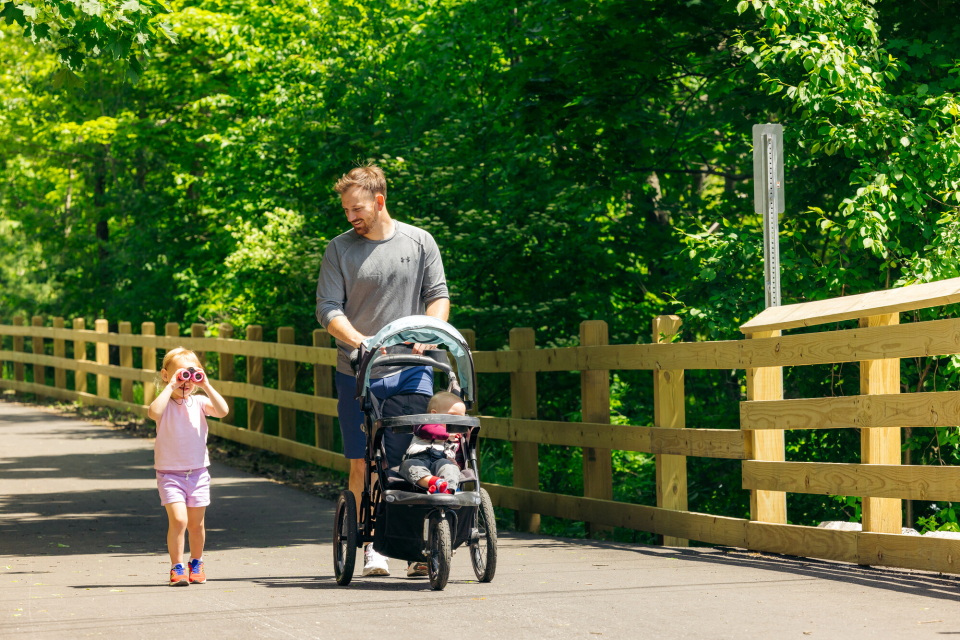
column 939, row 586
column 56, row 505
column 58, row 498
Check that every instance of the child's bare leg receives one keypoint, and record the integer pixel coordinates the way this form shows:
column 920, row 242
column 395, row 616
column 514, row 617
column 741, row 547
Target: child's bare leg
column 177, row 513
column 198, row 533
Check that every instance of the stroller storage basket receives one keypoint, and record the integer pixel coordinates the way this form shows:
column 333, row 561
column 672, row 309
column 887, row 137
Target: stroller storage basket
column 400, row 528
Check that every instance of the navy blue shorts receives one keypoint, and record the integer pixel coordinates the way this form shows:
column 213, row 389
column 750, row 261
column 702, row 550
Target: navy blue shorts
column 415, row 380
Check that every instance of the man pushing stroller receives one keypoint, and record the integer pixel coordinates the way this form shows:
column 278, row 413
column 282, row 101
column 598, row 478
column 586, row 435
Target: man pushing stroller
column 379, row 271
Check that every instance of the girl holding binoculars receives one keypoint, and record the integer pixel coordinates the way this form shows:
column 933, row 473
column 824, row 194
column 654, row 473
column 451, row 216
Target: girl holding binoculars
column 180, row 457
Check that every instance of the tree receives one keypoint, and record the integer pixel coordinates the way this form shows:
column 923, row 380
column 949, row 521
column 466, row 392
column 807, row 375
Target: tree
column 81, row 29
column 575, row 160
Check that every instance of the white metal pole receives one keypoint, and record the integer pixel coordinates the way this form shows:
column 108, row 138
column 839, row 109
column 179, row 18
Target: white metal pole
column 771, row 228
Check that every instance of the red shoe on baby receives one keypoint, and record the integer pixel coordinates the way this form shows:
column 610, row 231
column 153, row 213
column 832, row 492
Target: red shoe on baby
column 436, row 484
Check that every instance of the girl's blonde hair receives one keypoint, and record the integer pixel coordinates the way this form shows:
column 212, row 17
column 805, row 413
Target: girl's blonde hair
column 170, row 356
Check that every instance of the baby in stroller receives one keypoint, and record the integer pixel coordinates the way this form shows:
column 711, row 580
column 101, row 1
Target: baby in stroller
column 431, row 459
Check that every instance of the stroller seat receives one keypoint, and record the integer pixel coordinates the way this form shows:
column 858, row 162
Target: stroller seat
column 396, row 482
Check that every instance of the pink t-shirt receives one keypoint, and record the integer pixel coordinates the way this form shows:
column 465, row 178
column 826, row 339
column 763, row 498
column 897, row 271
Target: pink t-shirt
column 182, row 435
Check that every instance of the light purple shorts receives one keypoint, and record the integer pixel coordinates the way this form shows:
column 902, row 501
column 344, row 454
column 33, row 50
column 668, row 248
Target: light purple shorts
column 192, row 487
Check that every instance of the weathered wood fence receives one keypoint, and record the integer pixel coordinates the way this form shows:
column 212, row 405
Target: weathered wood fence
column 879, row 413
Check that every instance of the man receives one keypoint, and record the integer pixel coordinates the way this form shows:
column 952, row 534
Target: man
column 379, row 271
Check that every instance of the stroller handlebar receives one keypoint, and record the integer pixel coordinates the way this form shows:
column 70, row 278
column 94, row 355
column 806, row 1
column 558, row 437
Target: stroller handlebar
column 451, row 422
column 431, row 358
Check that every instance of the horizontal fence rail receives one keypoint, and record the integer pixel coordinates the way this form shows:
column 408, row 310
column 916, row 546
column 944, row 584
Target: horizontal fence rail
column 706, row 443
column 924, row 409
column 877, row 412
column 919, row 339
column 279, row 351
column 913, row 482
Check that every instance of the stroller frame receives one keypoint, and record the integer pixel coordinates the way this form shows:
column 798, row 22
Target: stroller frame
column 389, row 517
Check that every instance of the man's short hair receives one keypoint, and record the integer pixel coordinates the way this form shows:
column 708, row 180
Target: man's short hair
column 369, row 178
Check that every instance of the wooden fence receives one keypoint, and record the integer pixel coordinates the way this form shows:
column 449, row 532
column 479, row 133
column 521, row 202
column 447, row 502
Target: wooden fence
column 879, row 412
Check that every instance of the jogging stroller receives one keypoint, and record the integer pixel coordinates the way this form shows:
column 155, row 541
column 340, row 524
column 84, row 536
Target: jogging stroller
column 402, row 520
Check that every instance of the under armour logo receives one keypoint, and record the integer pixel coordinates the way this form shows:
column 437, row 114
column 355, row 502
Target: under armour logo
column 404, row 259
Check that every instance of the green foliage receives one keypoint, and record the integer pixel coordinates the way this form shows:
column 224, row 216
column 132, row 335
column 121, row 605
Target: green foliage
column 942, row 520
column 575, row 160
column 81, row 29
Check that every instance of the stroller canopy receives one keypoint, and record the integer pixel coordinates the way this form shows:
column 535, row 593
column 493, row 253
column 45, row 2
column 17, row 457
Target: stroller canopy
column 425, row 330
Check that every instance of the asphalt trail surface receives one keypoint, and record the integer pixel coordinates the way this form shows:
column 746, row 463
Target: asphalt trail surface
column 82, row 554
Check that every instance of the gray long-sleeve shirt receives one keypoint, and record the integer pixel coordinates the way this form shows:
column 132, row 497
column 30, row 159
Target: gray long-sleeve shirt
column 374, row 283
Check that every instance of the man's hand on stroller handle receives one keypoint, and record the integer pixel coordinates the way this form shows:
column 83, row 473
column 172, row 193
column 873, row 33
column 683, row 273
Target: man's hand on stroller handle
column 419, row 348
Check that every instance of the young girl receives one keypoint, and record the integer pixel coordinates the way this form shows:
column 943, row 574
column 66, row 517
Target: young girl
column 181, row 460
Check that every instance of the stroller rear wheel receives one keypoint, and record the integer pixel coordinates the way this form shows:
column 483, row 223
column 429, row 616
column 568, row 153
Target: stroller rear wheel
column 441, row 550
column 345, row 538
column 483, row 546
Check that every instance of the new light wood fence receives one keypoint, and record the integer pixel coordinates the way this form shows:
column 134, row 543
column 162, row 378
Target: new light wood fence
column 879, row 412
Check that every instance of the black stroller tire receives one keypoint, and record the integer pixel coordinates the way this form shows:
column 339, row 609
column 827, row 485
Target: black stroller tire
column 483, row 551
column 345, row 538
column 441, row 553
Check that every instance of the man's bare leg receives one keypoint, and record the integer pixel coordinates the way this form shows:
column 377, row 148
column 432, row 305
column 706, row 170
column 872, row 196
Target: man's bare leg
column 357, row 468
column 374, row 564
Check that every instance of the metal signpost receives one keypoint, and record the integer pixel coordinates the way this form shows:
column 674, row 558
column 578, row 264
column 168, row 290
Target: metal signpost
column 769, row 201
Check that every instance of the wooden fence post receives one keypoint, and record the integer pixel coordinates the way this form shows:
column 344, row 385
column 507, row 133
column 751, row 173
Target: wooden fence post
column 880, row 446
column 523, row 404
column 39, row 371
column 79, row 353
column 126, row 360
column 669, row 412
column 323, row 387
column 287, row 374
column 199, row 330
column 254, row 376
column 149, row 363
column 103, row 358
column 18, row 367
column 226, row 370
column 595, row 407
column 59, row 351
column 171, row 330
column 766, row 383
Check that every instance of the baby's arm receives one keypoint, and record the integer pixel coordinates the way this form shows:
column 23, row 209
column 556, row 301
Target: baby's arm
column 432, row 432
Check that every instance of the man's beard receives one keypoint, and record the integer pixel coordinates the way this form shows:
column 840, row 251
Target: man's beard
column 365, row 229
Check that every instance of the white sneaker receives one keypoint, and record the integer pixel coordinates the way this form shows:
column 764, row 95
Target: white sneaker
column 416, row 569
column 374, row 564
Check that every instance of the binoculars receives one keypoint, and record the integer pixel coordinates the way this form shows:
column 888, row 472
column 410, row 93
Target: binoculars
column 190, row 374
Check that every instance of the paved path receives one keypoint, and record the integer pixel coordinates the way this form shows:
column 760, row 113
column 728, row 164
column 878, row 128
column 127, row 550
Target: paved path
column 82, row 555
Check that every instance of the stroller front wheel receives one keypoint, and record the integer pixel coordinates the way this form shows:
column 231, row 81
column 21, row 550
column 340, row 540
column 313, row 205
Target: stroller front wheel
column 441, row 550
column 483, row 545
column 345, row 538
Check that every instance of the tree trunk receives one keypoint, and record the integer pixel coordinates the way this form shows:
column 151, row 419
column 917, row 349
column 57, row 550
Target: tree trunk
column 99, row 202
column 661, row 215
